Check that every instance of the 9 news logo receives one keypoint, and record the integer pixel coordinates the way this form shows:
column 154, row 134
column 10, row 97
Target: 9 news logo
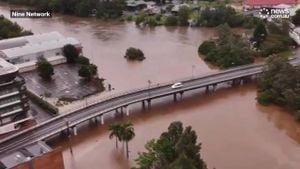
column 274, row 13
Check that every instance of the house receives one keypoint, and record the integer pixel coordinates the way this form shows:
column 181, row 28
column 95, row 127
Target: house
column 267, row 3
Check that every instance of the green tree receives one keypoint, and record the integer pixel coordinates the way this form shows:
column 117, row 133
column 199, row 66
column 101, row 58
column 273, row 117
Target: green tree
column 44, row 68
column 175, row 149
column 84, row 72
column 93, row 69
column 134, row 54
column 55, row 5
column 83, row 60
column 116, row 131
column 110, row 9
column 183, row 15
column 228, row 50
column 280, row 84
column 171, row 21
column 83, row 8
column 206, row 47
column 71, row 53
column 127, row 135
column 296, row 18
column 259, row 34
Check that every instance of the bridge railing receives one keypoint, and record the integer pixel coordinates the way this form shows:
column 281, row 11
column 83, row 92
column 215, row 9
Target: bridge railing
column 97, row 100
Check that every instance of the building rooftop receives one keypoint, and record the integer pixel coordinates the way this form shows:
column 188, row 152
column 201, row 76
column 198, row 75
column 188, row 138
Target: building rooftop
column 33, row 48
column 6, row 67
column 21, row 41
column 270, row 2
column 12, row 159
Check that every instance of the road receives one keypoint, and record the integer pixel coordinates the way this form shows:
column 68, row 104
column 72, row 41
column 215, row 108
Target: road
column 56, row 125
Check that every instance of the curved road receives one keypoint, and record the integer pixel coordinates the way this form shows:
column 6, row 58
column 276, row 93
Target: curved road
column 58, row 124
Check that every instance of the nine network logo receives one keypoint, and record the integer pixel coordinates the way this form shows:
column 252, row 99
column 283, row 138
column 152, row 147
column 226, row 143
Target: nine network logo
column 274, row 13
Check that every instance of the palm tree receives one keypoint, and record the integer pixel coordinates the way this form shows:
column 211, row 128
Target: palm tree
column 116, row 131
column 127, row 135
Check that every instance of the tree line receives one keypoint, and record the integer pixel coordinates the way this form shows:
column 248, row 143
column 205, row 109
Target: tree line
column 10, row 29
column 230, row 49
column 280, row 84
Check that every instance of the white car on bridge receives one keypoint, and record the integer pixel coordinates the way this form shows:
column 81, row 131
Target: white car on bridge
column 177, row 85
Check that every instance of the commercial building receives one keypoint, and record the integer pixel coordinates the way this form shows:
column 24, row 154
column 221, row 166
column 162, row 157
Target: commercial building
column 24, row 51
column 13, row 100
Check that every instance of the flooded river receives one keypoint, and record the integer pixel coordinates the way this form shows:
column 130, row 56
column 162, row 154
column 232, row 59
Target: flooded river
column 235, row 132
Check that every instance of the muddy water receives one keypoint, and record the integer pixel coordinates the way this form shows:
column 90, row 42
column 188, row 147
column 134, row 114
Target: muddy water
column 170, row 52
column 236, row 133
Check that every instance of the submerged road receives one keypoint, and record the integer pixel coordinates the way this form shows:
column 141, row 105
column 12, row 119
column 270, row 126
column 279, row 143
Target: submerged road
column 98, row 110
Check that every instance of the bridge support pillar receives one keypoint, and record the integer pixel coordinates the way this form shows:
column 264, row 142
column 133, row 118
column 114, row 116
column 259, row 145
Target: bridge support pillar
column 75, row 130
column 214, row 87
column 127, row 110
column 175, row 97
column 149, row 103
column 181, row 94
column 102, row 119
column 241, row 81
column 143, row 105
column 207, row 89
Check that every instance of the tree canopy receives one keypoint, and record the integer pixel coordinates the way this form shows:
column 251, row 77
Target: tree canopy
column 9, row 29
column 280, row 84
column 228, row 50
column 176, row 148
column 134, row 54
column 296, row 18
column 44, row 68
column 71, row 53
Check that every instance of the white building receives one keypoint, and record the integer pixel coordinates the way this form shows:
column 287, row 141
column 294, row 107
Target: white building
column 24, row 51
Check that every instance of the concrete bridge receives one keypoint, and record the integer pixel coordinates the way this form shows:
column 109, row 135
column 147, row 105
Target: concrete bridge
column 121, row 103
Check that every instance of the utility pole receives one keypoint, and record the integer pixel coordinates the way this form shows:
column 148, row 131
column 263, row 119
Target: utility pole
column 149, row 85
column 69, row 135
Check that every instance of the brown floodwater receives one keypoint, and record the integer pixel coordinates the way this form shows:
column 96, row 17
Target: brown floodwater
column 235, row 132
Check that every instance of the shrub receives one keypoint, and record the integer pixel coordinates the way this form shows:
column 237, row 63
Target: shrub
column 44, row 68
column 206, row 47
column 150, row 21
column 171, row 21
column 183, row 15
column 84, row 72
column 83, row 60
column 71, row 53
column 134, row 54
column 140, row 19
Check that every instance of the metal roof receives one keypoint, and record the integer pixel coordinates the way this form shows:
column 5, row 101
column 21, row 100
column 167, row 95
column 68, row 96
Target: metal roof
column 33, row 48
column 22, row 41
column 270, row 2
column 6, row 67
